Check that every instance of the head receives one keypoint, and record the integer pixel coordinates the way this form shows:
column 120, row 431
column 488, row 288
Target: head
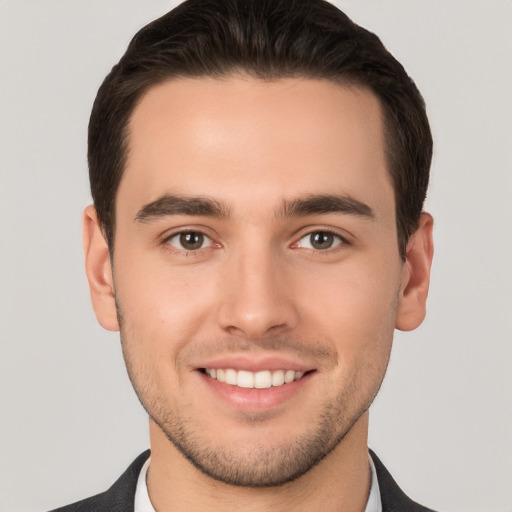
column 268, row 40
column 258, row 171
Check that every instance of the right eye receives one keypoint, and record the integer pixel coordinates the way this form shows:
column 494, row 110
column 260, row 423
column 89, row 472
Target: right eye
column 189, row 241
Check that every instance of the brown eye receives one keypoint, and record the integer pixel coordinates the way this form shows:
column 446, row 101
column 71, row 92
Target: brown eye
column 189, row 240
column 320, row 240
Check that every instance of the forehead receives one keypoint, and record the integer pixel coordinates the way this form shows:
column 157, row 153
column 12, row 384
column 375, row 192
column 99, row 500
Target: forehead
column 280, row 139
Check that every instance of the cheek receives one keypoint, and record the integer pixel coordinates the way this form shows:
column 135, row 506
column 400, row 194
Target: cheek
column 353, row 294
column 354, row 309
column 359, row 326
column 163, row 306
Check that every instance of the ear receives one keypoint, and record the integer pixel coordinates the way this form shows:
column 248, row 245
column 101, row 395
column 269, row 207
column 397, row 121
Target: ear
column 99, row 271
column 416, row 276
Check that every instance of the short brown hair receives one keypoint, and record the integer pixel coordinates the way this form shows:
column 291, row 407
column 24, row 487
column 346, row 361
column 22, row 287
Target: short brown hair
column 267, row 39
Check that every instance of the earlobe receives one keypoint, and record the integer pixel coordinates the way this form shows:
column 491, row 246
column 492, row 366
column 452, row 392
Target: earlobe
column 99, row 271
column 416, row 276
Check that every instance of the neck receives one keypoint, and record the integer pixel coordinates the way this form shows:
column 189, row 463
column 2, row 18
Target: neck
column 341, row 481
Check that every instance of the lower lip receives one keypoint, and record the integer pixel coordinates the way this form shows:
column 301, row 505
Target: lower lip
column 253, row 399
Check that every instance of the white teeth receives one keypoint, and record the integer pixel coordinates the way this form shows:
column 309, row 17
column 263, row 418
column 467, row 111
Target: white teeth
column 260, row 380
column 278, row 378
column 245, row 379
column 289, row 376
column 263, row 379
column 231, row 377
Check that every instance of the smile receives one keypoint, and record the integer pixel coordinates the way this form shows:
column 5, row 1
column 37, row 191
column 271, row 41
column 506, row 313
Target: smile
column 259, row 380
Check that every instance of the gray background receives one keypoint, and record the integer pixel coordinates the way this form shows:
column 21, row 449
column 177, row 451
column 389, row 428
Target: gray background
column 70, row 421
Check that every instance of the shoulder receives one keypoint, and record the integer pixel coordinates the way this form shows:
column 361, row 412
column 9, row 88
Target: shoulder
column 392, row 497
column 118, row 498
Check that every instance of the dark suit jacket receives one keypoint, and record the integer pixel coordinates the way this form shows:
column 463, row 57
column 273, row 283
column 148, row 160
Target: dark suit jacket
column 120, row 497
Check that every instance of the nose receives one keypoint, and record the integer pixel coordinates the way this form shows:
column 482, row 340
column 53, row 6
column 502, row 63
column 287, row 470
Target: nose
column 256, row 297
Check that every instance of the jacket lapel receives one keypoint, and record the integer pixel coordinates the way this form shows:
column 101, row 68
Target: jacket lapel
column 392, row 497
column 118, row 498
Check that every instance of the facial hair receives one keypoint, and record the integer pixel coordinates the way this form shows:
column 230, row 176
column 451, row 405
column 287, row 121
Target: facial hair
column 259, row 464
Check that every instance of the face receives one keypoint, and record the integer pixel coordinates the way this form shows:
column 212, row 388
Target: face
column 256, row 269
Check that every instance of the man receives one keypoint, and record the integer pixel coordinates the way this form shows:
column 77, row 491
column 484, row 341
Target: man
column 258, row 170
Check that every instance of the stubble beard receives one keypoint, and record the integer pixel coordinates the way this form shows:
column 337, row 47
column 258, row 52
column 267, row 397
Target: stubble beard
column 261, row 465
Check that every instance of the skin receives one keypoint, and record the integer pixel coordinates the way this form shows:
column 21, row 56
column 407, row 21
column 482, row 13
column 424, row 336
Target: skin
column 257, row 289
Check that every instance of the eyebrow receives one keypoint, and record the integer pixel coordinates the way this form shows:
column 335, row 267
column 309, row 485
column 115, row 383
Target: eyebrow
column 181, row 205
column 322, row 204
column 319, row 204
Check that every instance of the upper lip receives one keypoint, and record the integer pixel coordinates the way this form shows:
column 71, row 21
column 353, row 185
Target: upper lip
column 252, row 364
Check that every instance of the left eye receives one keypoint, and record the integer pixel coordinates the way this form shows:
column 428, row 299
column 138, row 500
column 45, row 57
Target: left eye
column 320, row 240
column 189, row 241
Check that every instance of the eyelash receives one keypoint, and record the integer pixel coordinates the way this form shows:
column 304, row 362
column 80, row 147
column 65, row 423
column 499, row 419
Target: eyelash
column 182, row 251
column 342, row 241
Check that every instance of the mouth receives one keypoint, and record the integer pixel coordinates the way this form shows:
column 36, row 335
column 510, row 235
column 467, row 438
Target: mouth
column 263, row 379
column 255, row 385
